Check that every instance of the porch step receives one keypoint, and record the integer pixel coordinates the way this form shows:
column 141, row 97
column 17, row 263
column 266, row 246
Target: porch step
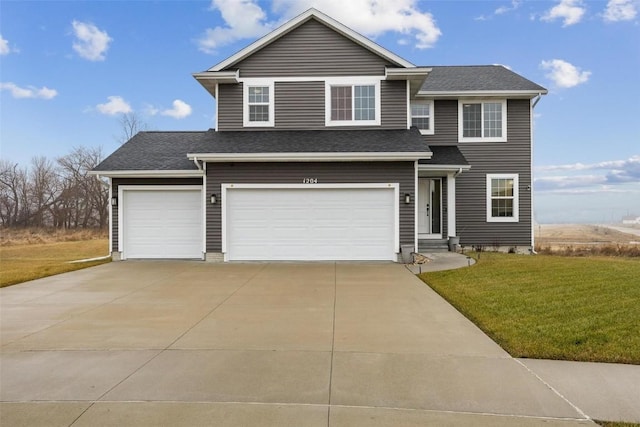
column 433, row 245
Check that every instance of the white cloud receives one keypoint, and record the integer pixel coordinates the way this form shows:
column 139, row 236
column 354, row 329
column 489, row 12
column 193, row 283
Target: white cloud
column 180, row 110
column 563, row 74
column 29, row 91
column 114, row 105
column 504, row 9
column 620, row 10
column 570, row 11
column 246, row 19
column 91, row 43
column 4, row 46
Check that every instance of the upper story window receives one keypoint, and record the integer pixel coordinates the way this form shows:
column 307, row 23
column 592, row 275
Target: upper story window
column 350, row 104
column 422, row 116
column 258, row 105
column 502, row 198
column 482, row 120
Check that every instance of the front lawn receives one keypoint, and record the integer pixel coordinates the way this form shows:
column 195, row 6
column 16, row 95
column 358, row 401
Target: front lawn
column 22, row 262
column 551, row 307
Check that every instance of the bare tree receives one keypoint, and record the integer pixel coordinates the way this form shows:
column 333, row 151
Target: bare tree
column 130, row 124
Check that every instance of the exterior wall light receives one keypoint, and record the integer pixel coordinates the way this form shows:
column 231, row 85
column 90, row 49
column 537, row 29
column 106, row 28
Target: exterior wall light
column 114, row 201
column 213, row 199
column 407, row 198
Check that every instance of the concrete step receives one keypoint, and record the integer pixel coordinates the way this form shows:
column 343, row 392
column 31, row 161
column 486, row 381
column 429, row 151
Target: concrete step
column 433, row 245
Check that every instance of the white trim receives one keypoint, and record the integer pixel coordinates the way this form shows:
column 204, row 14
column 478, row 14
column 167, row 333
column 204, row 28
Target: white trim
column 516, row 197
column 444, row 168
column 205, row 200
column 110, row 216
column 415, row 206
column 358, row 81
column 245, row 104
column 310, row 157
column 408, row 104
column 217, row 105
column 406, row 73
column 462, row 138
column 394, row 186
column 123, row 188
column 451, row 205
column 299, row 20
column 430, row 103
column 156, row 173
column 481, row 93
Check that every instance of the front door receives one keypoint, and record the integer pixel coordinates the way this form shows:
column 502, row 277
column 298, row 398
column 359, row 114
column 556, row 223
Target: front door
column 430, row 208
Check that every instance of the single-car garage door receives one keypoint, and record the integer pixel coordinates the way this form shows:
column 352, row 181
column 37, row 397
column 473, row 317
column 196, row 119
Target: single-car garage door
column 162, row 223
column 311, row 223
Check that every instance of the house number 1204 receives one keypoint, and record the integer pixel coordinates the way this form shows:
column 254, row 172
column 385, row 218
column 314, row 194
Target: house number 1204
column 309, row 180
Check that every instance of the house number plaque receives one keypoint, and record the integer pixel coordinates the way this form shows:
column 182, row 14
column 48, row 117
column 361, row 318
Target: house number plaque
column 309, row 180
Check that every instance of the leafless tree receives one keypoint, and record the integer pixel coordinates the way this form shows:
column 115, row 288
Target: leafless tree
column 130, row 124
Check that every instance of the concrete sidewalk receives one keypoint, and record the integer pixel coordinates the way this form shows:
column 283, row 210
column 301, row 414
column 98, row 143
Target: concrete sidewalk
column 288, row 344
column 439, row 261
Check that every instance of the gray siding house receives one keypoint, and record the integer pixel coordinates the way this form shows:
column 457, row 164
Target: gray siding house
column 329, row 147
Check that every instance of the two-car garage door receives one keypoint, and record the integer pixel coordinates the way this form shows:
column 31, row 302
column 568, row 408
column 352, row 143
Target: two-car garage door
column 310, row 223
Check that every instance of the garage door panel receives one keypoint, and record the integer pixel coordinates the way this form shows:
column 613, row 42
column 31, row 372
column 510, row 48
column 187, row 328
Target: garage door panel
column 310, row 224
column 162, row 224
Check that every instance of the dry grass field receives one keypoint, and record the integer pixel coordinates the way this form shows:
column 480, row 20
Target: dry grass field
column 585, row 239
column 27, row 254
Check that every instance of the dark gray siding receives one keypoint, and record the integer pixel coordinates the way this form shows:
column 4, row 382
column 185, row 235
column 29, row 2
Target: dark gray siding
column 115, row 182
column 229, row 107
column 445, row 123
column 513, row 156
column 312, row 49
column 301, row 106
column 361, row 172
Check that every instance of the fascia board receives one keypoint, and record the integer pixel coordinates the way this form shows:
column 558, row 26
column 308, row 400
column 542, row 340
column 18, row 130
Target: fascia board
column 149, row 173
column 300, row 19
column 308, row 157
column 482, row 93
column 444, row 167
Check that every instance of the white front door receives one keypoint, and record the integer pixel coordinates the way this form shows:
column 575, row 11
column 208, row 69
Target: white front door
column 430, row 208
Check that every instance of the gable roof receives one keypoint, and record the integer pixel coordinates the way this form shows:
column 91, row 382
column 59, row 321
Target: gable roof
column 301, row 19
column 477, row 79
column 176, row 151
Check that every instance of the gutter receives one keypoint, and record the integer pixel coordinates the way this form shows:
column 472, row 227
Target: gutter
column 533, row 238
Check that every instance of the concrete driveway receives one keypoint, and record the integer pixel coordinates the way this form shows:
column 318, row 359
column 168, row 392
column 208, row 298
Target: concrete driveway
column 288, row 344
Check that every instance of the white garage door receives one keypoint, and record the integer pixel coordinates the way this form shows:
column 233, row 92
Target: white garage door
column 162, row 223
column 310, row 224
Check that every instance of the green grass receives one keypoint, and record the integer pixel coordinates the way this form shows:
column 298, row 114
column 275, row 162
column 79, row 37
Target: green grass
column 551, row 307
column 19, row 263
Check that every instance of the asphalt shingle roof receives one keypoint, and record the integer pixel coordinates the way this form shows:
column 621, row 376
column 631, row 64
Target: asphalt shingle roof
column 445, row 155
column 168, row 150
column 476, row 78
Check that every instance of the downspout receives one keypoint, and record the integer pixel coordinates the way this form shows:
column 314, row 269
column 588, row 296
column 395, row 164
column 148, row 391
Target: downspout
column 533, row 233
column 198, row 165
column 458, row 172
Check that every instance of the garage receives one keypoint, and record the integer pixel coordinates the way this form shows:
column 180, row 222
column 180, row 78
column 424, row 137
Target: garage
column 161, row 222
column 310, row 222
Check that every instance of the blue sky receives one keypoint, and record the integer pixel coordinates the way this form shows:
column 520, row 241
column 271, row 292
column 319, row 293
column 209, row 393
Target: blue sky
column 68, row 70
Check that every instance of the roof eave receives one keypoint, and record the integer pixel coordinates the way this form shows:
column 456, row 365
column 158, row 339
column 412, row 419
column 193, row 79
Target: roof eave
column 310, row 157
column 483, row 93
column 148, row 173
column 449, row 168
column 210, row 79
column 299, row 20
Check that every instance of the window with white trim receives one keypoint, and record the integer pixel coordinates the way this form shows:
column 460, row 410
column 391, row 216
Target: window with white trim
column 422, row 116
column 484, row 120
column 502, row 198
column 352, row 104
column 258, row 105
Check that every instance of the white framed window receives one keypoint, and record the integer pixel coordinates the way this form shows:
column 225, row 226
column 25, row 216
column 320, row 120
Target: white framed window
column 502, row 197
column 482, row 120
column 258, row 105
column 351, row 103
column 422, row 116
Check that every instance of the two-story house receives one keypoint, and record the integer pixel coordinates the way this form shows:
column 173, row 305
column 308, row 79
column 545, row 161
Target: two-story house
column 329, row 147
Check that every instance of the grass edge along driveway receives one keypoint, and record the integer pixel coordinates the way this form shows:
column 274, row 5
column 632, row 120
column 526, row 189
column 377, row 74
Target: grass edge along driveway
column 20, row 263
column 551, row 307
